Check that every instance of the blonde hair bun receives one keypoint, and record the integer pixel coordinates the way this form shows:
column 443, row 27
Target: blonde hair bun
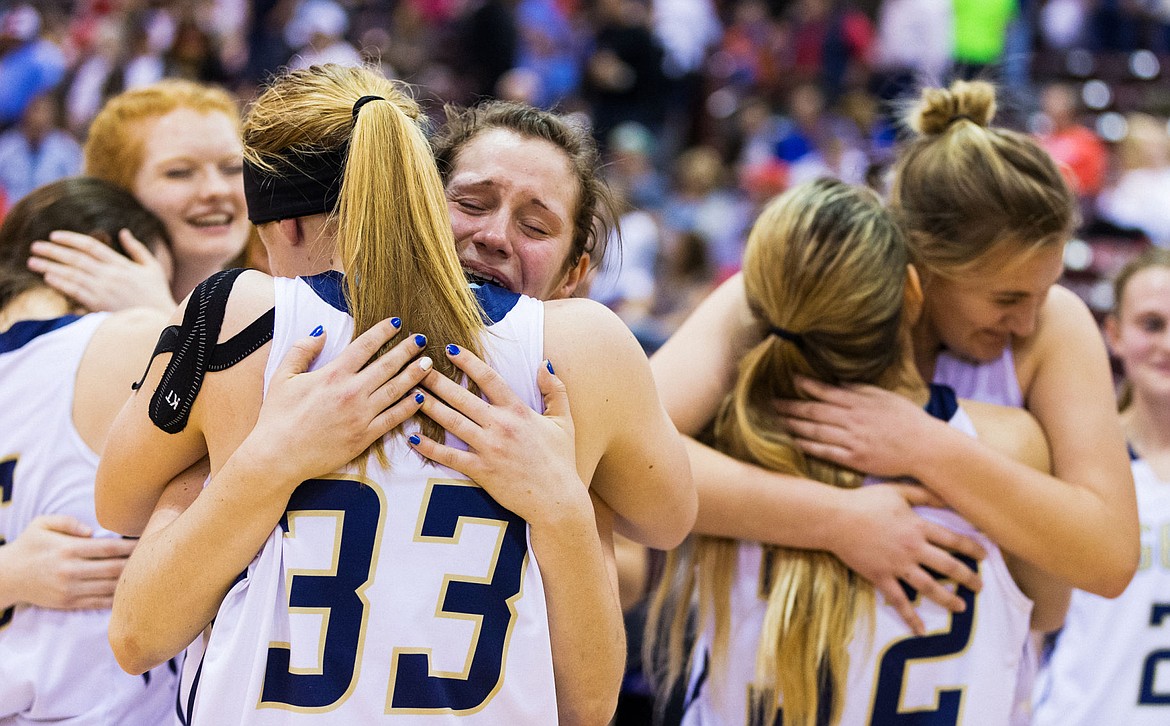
column 939, row 108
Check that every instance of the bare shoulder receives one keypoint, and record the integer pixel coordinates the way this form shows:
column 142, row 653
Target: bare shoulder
column 1065, row 325
column 134, row 322
column 586, row 330
column 123, row 343
column 1012, row 432
column 252, row 295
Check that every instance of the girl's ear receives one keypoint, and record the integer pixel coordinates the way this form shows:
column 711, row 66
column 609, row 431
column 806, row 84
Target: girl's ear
column 572, row 284
column 912, row 295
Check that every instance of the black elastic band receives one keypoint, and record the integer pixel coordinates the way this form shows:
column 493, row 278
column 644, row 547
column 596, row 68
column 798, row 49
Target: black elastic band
column 357, row 105
column 785, row 334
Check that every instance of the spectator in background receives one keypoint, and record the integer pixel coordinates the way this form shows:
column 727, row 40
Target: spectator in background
column 747, row 57
column 813, row 142
column 37, row 151
column 624, row 80
column 832, row 44
column 980, row 32
column 1080, row 154
column 627, row 282
column 704, row 219
column 548, row 51
column 631, row 167
column 93, row 79
column 317, row 31
column 127, row 53
column 490, row 41
column 194, row 55
column 914, row 46
column 688, row 30
column 29, row 64
column 148, row 36
column 1140, row 197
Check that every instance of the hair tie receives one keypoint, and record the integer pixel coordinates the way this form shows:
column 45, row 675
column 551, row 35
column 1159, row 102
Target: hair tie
column 785, row 334
column 357, row 105
column 959, row 117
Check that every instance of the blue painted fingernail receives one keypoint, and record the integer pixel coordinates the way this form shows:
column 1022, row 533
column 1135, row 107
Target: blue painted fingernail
column 548, row 365
column 419, row 398
column 420, row 340
column 414, row 439
column 396, row 322
column 452, row 349
column 317, row 332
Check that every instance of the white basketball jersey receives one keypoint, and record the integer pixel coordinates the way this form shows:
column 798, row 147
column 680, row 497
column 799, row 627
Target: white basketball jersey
column 56, row 665
column 961, row 673
column 1111, row 663
column 403, row 596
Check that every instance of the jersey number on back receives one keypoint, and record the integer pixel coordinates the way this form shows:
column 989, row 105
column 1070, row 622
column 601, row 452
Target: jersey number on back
column 892, row 671
column 1148, row 696
column 338, row 594
column 7, row 476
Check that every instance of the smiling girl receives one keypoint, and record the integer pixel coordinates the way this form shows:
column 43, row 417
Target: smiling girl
column 176, row 146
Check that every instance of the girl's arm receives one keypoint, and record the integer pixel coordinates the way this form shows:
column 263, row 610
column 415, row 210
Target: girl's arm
column 1014, row 433
column 643, row 474
column 872, row 530
column 198, row 540
column 1079, row 523
column 139, row 459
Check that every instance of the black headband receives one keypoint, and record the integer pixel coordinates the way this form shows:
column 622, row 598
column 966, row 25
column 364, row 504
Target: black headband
column 303, row 184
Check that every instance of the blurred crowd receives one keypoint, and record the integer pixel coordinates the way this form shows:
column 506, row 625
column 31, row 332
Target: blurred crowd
column 705, row 108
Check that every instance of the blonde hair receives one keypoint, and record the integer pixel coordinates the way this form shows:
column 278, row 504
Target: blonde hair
column 826, row 263
column 393, row 230
column 1151, row 257
column 114, row 147
column 964, row 189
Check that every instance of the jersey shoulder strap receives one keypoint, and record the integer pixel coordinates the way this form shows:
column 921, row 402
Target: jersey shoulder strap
column 195, row 351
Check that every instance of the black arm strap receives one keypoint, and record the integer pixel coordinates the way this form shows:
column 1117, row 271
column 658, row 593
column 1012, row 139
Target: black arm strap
column 195, row 352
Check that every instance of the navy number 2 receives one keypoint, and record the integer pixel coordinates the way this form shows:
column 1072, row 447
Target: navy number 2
column 887, row 707
column 7, row 477
column 1147, row 695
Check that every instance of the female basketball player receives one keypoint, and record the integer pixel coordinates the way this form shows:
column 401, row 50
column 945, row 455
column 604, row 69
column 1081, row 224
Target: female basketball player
column 176, row 146
column 467, row 638
column 1110, row 660
column 62, row 375
column 826, row 274
column 987, row 213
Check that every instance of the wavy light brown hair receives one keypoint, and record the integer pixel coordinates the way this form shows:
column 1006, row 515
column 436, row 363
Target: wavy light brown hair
column 393, row 231
column 596, row 211
column 827, row 262
column 963, row 188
